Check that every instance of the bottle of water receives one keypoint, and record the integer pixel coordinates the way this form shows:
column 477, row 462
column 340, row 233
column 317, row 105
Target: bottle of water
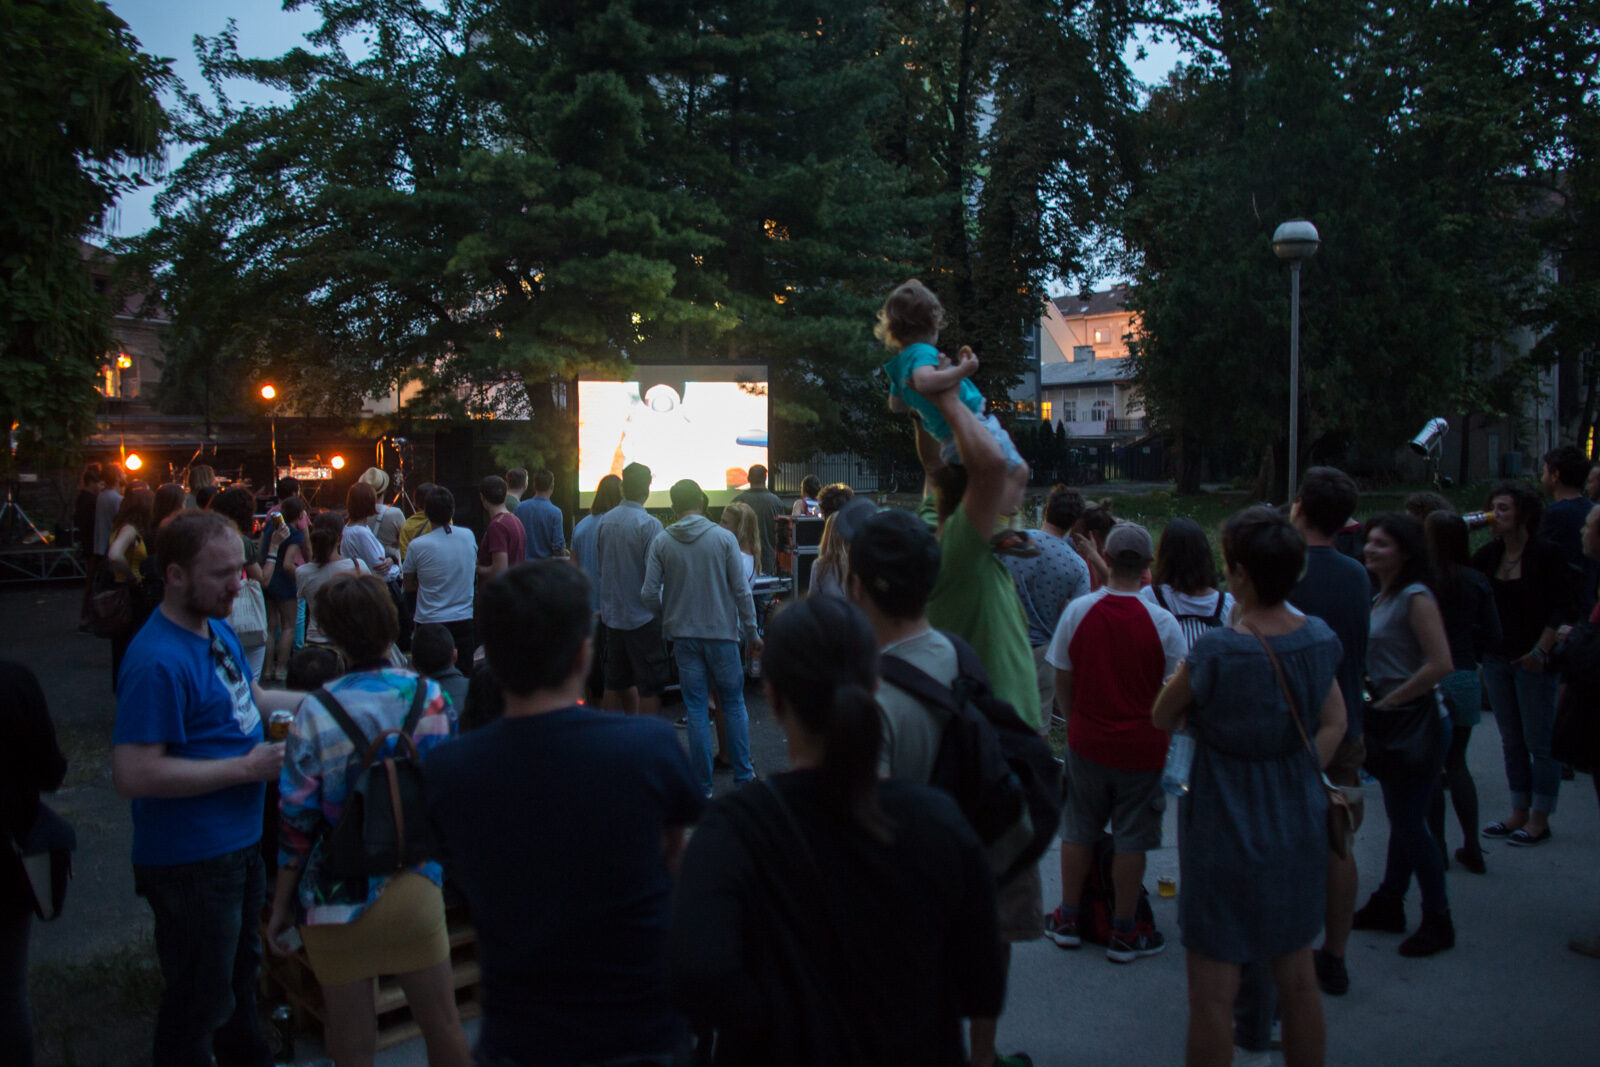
column 1180, row 758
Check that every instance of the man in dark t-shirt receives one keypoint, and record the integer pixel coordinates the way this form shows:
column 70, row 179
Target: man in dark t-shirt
column 1564, row 476
column 1336, row 589
column 569, row 885
column 765, row 503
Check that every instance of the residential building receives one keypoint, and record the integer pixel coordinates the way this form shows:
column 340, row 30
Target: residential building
column 1085, row 375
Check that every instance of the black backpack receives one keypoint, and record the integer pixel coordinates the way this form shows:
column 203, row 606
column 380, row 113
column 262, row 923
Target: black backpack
column 1001, row 773
column 383, row 827
column 1194, row 625
column 1096, row 906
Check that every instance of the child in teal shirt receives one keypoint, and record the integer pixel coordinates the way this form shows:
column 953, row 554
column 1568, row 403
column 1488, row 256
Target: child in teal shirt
column 910, row 321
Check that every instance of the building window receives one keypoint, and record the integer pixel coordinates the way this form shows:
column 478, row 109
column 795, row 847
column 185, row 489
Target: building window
column 1044, row 411
column 1100, row 337
column 1101, row 410
column 1069, row 411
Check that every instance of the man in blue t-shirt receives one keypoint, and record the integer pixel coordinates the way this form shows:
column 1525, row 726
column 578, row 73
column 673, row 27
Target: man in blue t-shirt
column 569, row 884
column 188, row 750
column 541, row 520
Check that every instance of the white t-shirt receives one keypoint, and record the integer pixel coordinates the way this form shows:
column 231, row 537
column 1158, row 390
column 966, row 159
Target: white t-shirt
column 361, row 543
column 308, row 578
column 1194, row 613
column 445, row 562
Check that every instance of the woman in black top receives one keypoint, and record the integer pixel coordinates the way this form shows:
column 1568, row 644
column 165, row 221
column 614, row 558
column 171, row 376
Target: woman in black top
column 1534, row 595
column 30, row 764
column 1472, row 625
column 822, row 916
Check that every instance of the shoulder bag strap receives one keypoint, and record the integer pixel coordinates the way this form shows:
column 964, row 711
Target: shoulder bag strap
column 1216, row 616
column 1283, row 683
column 918, row 682
column 1156, row 589
column 346, row 723
column 419, row 703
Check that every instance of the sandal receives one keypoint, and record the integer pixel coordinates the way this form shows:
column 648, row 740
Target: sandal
column 1013, row 543
column 1498, row 829
column 1523, row 839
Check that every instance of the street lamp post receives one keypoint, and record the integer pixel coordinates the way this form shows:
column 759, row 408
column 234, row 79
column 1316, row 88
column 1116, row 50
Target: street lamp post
column 269, row 394
column 1295, row 240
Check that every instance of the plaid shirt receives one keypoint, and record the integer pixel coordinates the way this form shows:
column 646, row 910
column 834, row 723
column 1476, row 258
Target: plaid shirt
column 320, row 767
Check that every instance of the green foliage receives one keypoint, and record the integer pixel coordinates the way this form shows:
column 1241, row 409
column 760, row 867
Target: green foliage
column 1409, row 133
column 79, row 124
column 501, row 195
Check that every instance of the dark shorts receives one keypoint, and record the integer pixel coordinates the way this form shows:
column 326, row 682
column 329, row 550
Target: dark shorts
column 1131, row 801
column 637, row 658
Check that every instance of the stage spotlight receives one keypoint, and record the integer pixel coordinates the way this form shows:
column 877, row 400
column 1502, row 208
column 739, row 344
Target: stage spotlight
column 268, row 392
column 124, row 361
column 337, row 463
column 133, row 462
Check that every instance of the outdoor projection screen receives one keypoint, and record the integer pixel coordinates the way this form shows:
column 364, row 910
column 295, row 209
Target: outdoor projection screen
column 705, row 422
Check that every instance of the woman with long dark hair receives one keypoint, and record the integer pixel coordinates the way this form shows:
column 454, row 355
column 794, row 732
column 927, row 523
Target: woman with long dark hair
column 327, row 559
column 1535, row 594
column 799, row 888
column 131, row 530
column 1408, row 654
column 1472, row 625
column 1184, row 580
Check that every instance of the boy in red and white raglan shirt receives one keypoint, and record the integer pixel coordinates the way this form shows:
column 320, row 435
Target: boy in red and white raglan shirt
column 1112, row 651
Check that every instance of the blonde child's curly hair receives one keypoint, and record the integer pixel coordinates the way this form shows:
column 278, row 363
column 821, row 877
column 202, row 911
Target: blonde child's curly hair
column 911, row 313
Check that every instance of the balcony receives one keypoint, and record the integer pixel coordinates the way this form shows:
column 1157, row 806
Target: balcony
column 1126, row 425
column 1111, row 427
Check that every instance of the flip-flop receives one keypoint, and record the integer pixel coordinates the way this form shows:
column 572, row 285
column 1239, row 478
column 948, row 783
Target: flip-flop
column 1523, row 839
column 1498, row 829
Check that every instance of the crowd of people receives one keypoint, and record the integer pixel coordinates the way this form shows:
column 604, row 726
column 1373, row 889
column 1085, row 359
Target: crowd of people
column 626, row 917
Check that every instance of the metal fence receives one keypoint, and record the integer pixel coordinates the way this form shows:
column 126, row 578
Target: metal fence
column 863, row 474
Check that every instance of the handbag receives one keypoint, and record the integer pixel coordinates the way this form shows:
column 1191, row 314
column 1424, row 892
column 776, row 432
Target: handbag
column 110, row 605
column 1341, row 812
column 1401, row 740
column 45, row 856
column 248, row 616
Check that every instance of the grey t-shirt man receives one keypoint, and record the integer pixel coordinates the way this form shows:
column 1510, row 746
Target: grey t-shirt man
column 767, row 506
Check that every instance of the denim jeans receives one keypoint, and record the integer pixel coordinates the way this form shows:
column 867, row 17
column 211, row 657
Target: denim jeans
column 1412, row 847
column 209, row 948
column 702, row 663
column 1525, row 710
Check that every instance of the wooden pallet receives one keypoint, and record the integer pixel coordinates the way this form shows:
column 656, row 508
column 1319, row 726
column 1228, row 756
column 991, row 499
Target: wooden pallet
column 290, row 980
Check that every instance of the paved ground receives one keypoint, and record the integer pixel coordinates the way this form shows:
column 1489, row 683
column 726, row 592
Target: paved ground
column 1510, row 993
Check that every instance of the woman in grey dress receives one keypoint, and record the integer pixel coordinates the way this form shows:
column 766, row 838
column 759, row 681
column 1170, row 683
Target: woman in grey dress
column 1253, row 845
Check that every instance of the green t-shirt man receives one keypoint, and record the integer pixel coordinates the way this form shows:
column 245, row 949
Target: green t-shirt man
column 975, row 598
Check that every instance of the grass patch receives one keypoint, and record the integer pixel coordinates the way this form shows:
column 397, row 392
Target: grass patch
column 97, row 1013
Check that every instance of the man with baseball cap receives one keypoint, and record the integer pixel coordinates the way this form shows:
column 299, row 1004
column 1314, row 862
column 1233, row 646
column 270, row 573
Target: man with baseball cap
column 1112, row 651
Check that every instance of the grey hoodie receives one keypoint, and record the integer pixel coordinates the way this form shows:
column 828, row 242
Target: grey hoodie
column 694, row 576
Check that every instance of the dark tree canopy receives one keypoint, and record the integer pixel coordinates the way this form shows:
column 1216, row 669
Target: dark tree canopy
column 79, row 124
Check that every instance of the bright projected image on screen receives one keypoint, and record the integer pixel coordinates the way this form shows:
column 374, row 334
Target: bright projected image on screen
column 708, row 423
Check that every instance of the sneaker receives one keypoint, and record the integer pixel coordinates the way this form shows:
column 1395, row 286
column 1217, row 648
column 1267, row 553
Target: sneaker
column 1125, row 949
column 1064, row 932
column 682, row 722
column 1331, row 974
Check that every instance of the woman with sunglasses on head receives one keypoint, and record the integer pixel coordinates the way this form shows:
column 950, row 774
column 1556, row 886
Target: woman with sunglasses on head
column 356, row 930
column 804, row 886
column 1535, row 594
column 1408, row 653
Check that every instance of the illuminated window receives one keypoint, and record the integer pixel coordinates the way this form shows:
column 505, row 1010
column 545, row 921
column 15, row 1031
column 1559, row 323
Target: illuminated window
column 1099, row 337
column 1045, row 410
